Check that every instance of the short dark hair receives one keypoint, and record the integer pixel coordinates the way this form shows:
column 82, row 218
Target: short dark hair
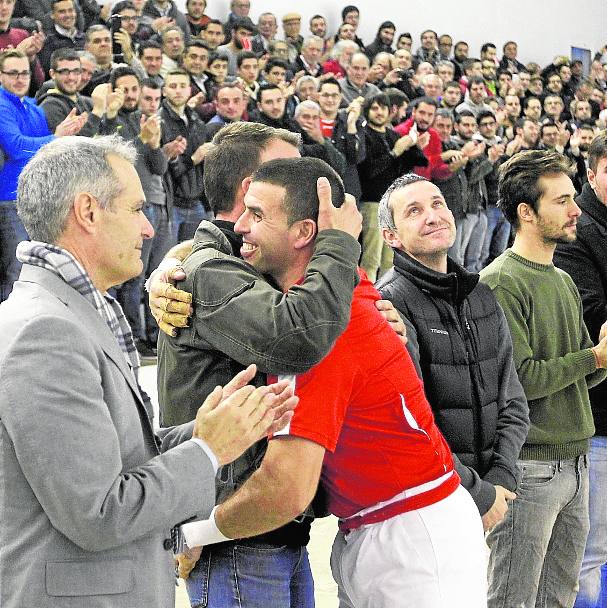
column 120, row 71
column 396, row 96
column 64, row 54
column 350, row 8
column 276, row 62
column 242, row 55
column 468, row 63
column 451, row 83
column 218, row 56
column 547, row 123
column 519, row 179
column 597, row 150
column 526, row 101
column 330, row 80
column 425, row 99
column 485, row 114
column 379, row 98
column 120, row 6
column 520, row 122
column 266, row 87
column 301, row 197
column 234, row 156
column 487, row 46
column 213, row 22
column 463, row 114
column 150, row 83
column 475, row 80
column 198, row 44
column 507, row 43
column 148, row 44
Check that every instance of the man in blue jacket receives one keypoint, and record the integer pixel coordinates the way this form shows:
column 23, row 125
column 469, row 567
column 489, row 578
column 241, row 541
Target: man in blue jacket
column 23, row 130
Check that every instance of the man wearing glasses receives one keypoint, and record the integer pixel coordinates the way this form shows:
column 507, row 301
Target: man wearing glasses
column 63, row 97
column 23, row 130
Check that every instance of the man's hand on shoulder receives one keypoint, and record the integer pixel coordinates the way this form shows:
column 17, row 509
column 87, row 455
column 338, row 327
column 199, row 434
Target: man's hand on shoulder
column 346, row 218
column 388, row 312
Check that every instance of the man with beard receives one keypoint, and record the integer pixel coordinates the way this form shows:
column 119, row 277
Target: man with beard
column 419, row 126
column 60, row 100
column 195, row 15
column 388, row 155
column 383, row 40
column 537, row 550
column 212, row 35
column 460, row 54
column 585, row 260
column 242, row 30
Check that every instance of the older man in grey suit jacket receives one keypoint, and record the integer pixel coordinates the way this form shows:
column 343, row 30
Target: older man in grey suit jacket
column 88, row 493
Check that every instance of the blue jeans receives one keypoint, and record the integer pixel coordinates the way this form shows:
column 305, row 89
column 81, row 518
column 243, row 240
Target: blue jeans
column 186, row 220
column 12, row 232
column 251, row 574
column 463, row 231
column 537, row 549
column 496, row 237
column 130, row 294
column 472, row 258
column 595, row 556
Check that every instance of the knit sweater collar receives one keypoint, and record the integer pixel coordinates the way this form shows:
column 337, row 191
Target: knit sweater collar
column 534, row 265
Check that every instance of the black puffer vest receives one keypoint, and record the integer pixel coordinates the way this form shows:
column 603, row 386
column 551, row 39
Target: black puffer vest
column 453, row 315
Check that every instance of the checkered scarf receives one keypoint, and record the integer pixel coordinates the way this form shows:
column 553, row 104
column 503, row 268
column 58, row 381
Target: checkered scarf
column 65, row 266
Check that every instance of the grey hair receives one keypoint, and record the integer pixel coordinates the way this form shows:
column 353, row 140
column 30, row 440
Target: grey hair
column 312, row 38
column 308, row 104
column 61, row 169
column 87, row 55
column 341, row 46
column 304, row 79
column 385, row 214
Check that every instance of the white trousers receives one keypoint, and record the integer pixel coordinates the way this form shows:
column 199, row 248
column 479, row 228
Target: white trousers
column 435, row 557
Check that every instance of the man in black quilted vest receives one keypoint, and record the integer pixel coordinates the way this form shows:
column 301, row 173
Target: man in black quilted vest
column 459, row 339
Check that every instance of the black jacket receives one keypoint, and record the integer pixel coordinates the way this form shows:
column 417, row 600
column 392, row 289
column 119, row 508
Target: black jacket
column 187, row 178
column 458, row 335
column 380, row 168
column 55, row 41
column 585, row 260
column 57, row 106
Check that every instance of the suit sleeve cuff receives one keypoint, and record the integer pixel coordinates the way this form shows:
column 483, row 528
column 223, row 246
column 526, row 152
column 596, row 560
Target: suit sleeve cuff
column 209, row 452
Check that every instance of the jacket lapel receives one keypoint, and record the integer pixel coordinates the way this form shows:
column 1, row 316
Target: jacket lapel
column 90, row 319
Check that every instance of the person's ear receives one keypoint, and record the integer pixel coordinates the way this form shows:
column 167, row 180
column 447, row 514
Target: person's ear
column 86, row 212
column 391, row 238
column 305, row 233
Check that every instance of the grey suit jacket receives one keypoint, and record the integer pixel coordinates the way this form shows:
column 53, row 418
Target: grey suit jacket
column 86, row 499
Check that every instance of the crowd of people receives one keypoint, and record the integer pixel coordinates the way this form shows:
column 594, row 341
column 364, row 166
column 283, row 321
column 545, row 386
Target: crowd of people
column 470, row 189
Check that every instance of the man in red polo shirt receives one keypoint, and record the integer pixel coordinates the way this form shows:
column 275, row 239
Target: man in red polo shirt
column 410, row 535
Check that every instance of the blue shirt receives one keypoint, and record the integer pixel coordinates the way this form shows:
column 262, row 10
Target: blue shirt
column 23, row 131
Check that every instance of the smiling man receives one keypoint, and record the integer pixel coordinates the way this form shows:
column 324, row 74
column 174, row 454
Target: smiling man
column 537, row 549
column 482, row 414
column 363, row 426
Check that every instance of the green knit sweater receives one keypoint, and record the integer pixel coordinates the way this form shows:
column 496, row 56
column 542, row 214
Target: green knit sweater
column 551, row 352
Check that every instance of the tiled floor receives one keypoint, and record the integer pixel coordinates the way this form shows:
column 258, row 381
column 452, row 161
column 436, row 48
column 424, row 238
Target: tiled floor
column 323, row 531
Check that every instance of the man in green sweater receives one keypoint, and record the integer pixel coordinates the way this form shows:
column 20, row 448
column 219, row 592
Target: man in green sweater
column 536, row 551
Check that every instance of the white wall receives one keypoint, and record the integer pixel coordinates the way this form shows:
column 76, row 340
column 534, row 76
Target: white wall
column 542, row 28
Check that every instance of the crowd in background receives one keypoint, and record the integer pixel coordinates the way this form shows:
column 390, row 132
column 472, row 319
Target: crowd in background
column 170, row 80
column 373, row 110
